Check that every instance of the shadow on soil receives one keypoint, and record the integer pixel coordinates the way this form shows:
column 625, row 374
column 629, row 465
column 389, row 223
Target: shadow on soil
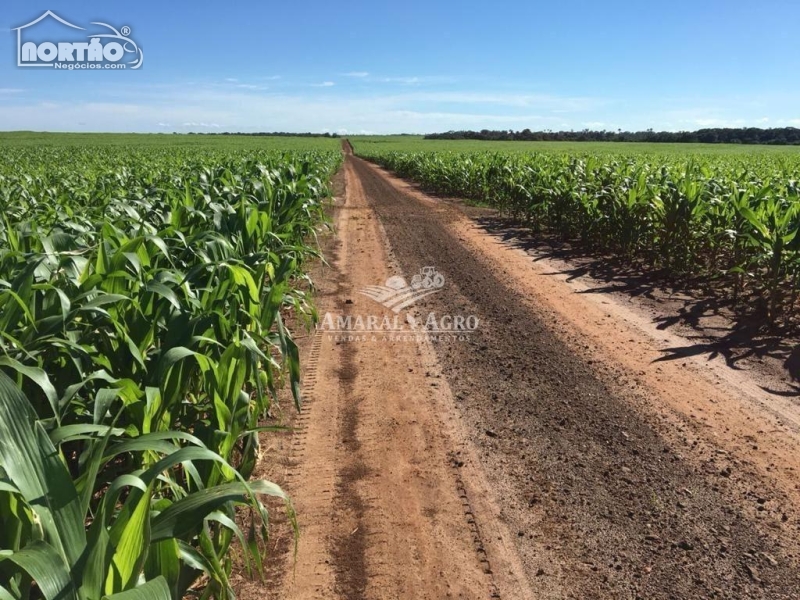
column 713, row 325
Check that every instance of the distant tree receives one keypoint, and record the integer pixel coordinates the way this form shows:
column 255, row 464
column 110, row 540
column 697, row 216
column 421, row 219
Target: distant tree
column 748, row 135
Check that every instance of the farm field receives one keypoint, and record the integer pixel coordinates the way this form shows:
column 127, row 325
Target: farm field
column 311, row 301
column 140, row 141
column 417, row 143
column 588, row 390
column 583, row 442
column 727, row 218
column 145, row 289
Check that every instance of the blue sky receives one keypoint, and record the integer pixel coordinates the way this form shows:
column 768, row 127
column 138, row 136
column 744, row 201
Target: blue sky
column 416, row 66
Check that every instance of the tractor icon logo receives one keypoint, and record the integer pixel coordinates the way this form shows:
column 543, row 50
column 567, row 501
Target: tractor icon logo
column 427, row 279
column 397, row 294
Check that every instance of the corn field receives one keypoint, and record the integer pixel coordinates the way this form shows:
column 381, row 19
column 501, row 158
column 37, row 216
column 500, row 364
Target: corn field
column 731, row 220
column 144, row 294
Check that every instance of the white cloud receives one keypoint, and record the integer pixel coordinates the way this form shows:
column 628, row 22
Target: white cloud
column 416, row 80
column 238, row 110
column 360, row 74
column 404, row 80
column 220, row 106
column 556, row 104
column 716, row 122
column 324, row 84
column 686, row 113
column 472, row 119
column 231, row 79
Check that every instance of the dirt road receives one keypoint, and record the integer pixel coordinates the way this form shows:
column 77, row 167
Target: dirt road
column 547, row 454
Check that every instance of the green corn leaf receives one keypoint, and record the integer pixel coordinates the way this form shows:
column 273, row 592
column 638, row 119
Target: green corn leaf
column 31, row 462
column 156, row 589
column 156, row 287
column 37, row 376
column 184, row 518
column 130, row 539
column 47, row 567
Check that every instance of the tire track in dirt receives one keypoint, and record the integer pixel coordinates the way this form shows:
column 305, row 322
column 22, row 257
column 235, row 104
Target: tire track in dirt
column 605, row 501
column 349, row 548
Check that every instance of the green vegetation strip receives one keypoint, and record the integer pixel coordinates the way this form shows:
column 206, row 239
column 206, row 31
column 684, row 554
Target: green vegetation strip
column 729, row 218
column 144, row 290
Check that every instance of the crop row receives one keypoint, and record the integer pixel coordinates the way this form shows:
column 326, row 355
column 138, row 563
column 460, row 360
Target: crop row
column 143, row 296
column 731, row 220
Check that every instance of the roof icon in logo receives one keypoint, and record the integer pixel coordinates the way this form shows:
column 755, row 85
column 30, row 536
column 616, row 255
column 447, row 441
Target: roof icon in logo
column 48, row 13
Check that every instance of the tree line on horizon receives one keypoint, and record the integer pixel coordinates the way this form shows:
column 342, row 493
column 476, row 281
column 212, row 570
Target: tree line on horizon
column 718, row 135
column 265, row 133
